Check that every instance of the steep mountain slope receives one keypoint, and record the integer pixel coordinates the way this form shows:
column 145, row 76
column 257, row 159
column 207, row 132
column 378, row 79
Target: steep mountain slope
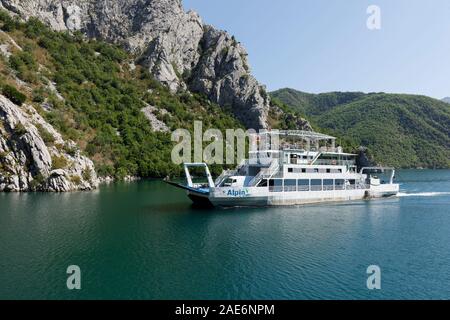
column 59, row 88
column 400, row 130
column 175, row 46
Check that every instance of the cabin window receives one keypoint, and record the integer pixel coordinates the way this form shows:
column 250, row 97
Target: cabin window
column 303, row 170
column 262, row 184
column 290, row 185
column 351, row 184
column 316, row 185
column 275, row 185
column 290, row 170
column 328, row 184
column 339, row 184
column 316, row 170
column 303, row 185
column 294, row 158
column 229, row 182
column 328, row 170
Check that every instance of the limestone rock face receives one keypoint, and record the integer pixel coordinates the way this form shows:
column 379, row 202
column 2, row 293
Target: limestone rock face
column 157, row 125
column 179, row 50
column 34, row 156
column 223, row 73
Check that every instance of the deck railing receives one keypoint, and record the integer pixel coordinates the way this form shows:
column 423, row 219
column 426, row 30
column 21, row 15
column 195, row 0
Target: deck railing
column 303, row 188
column 290, row 188
column 265, row 173
column 225, row 174
column 229, row 173
column 315, row 187
column 275, row 188
column 326, row 162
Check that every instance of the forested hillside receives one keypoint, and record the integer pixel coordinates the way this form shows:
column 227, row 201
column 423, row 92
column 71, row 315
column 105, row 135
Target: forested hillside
column 399, row 129
column 94, row 94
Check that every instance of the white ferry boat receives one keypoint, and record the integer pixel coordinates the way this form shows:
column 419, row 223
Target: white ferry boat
column 305, row 168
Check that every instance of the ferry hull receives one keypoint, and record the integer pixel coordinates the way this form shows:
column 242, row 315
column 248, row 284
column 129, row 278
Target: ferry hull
column 257, row 199
column 261, row 197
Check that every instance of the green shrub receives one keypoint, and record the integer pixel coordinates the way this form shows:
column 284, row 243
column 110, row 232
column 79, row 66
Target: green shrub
column 20, row 129
column 23, row 59
column 59, row 162
column 13, row 94
column 8, row 23
column 37, row 181
column 87, row 176
column 104, row 170
column 38, row 95
column 48, row 138
column 76, row 180
column 34, row 28
column 72, row 151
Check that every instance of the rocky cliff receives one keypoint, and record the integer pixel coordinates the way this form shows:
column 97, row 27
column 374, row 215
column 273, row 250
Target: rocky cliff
column 34, row 157
column 177, row 48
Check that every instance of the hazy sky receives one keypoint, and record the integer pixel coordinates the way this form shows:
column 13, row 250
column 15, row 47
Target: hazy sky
column 325, row 45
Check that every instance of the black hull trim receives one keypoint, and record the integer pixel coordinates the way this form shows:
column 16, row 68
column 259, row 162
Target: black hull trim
column 177, row 185
column 198, row 197
column 200, row 201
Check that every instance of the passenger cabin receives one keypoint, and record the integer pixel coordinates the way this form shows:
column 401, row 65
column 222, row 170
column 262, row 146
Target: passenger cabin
column 290, row 155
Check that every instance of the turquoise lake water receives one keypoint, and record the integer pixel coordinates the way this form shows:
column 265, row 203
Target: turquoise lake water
column 144, row 240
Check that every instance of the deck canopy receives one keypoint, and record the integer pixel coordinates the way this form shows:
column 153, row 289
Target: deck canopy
column 277, row 140
column 297, row 133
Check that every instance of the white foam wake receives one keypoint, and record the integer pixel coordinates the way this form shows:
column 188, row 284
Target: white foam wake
column 423, row 194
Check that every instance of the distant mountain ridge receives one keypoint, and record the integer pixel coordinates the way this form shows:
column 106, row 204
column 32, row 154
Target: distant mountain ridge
column 447, row 99
column 401, row 130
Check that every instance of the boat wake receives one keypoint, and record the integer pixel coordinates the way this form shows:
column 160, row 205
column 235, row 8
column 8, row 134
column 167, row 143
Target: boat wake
column 423, row 194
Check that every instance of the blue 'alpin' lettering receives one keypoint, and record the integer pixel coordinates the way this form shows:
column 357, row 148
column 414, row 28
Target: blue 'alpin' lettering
column 237, row 193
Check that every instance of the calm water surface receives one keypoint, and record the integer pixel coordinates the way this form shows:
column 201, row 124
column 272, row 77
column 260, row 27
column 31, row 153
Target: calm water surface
column 144, row 240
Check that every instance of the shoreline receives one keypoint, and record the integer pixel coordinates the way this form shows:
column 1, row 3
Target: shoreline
column 129, row 179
